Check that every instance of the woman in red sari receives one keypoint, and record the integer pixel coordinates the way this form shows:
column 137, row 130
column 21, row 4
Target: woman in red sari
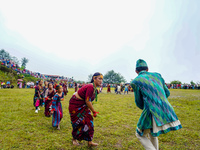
column 65, row 90
column 108, row 89
column 75, row 86
column 80, row 107
column 50, row 92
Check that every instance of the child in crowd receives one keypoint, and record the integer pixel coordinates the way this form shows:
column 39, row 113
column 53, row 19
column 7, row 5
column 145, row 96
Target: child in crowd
column 57, row 107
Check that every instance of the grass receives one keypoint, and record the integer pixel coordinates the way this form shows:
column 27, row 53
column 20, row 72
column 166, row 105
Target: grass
column 21, row 128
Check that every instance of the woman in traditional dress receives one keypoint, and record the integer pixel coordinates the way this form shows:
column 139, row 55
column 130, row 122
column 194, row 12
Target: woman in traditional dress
column 55, row 84
column 65, row 88
column 108, row 89
column 80, row 107
column 101, row 88
column 57, row 107
column 50, row 92
column 45, row 87
column 76, row 86
column 38, row 96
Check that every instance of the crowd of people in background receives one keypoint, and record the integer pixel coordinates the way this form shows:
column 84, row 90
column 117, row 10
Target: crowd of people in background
column 119, row 88
column 11, row 64
column 183, row 86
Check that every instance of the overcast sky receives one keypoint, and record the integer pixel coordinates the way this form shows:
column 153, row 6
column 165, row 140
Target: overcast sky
column 77, row 38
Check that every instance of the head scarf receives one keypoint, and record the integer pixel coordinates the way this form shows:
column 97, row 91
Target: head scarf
column 58, row 86
column 96, row 75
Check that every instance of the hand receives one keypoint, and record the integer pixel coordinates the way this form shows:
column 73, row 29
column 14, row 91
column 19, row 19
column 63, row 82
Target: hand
column 95, row 113
column 52, row 112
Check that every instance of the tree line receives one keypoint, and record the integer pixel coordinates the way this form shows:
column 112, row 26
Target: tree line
column 4, row 54
column 179, row 82
column 111, row 77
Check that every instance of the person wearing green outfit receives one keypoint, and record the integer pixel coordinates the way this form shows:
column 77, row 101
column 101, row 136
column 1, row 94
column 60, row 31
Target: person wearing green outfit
column 158, row 116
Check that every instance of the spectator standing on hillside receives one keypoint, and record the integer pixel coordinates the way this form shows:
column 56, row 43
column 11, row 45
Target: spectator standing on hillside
column 2, row 83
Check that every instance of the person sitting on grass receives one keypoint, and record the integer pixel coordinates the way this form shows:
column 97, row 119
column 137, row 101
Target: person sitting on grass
column 158, row 116
column 57, row 112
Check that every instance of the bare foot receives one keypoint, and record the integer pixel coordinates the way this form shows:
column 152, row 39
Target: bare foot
column 90, row 144
column 58, row 128
column 75, row 142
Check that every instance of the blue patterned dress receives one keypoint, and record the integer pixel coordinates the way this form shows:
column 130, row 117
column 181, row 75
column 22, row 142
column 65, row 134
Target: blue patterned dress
column 57, row 108
column 151, row 96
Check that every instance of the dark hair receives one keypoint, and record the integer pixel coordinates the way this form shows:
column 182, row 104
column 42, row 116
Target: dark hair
column 95, row 75
column 138, row 69
column 57, row 87
column 49, row 84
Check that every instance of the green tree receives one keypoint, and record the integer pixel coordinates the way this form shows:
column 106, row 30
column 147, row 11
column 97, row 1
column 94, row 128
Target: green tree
column 15, row 59
column 24, row 61
column 79, row 81
column 4, row 54
column 175, row 82
column 113, row 77
column 89, row 77
column 192, row 83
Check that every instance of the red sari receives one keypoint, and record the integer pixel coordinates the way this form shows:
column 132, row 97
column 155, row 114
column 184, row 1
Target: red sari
column 48, row 103
column 108, row 89
column 65, row 88
column 81, row 118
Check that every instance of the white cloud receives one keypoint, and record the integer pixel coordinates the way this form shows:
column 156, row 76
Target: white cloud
column 81, row 37
column 79, row 28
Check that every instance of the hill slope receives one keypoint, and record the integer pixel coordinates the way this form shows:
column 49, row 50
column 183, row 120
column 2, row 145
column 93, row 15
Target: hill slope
column 7, row 74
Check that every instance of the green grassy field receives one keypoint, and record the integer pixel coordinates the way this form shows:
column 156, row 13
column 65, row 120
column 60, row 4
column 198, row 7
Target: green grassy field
column 21, row 128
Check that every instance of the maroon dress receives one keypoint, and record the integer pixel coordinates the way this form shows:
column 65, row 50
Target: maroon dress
column 108, row 89
column 81, row 118
column 65, row 89
column 48, row 103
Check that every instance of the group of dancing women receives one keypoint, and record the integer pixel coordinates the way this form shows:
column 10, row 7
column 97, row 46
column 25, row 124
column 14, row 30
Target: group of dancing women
column 158, row 116
column 50, row 96
column 80, row 106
